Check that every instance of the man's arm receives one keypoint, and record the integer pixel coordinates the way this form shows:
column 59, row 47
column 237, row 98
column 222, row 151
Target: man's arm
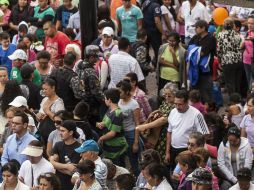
column 63, row 168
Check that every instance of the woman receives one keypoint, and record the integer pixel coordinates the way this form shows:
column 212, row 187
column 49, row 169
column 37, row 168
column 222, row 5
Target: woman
column 157, row 122
column 3, row 79
column 11, row 91
column 49, row 181
column 230, row 56
column 188, row 162
column 171, row 62
column 168, row 17
column 87, row 177
column 157, row 176
column 234, row 153
column 11, row 181
column 42, row 64
column 75, row 49
column 131, row 112
column 54, row 136
column 31, row 55
column 49, row 106
column 140, row 96
column 247, row 123
column 20, row 12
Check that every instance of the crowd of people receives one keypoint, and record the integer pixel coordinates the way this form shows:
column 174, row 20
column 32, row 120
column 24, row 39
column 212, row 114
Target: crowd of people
column 90, row 123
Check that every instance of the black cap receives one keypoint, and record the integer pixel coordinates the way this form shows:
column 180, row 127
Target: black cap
column 26, row 70
column 71, row 126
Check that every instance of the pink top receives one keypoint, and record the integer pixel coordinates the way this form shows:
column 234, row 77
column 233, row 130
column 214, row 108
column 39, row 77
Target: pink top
column 248, row 51
column 7, row 15
column 215, row 183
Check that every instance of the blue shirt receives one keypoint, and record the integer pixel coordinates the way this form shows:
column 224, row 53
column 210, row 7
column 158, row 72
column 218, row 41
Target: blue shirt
column 14, row 146
column 129, row 21
column 4, row 60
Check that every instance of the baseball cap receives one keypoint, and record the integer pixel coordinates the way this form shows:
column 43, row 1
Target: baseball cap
column 201, row 176
column 92, row 50
column 3, row 2
column 34, row 151
column 71, row 126
column 88, row 145
column 108, row 31
column 19, row 101
column 18, row 54
column 26, row 70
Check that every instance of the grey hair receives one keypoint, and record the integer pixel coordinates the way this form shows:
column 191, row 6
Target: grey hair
column 173, row 87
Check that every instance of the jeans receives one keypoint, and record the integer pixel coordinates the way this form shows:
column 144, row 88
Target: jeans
column 247, row 68
column 129, row 136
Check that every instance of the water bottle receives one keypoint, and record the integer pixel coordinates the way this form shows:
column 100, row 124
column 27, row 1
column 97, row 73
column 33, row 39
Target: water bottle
column 67, row 160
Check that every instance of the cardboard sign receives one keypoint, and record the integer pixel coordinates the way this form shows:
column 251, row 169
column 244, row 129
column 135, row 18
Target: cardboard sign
column 239, row 3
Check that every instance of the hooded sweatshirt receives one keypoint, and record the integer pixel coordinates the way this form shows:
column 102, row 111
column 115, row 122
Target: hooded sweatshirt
column 16, row 38
column 244, row 158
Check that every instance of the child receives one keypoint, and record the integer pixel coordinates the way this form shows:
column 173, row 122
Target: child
column 140, row 51
column 5, row 50
column 196, row 101
column 188, row 162
column 204, row 154
column 113, row 142
column 22, row 31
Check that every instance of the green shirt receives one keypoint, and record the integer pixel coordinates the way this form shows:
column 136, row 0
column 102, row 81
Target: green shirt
column 15, row 75
column 116, row 146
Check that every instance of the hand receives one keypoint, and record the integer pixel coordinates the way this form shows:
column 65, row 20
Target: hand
column 171, row 49
column 167, row 158
column 140, row 128
column 47, row 105
column 135, row 148
column 71, row 167
column 40, row 116
column 100, row 141
column 226, row 120
column 100, row 125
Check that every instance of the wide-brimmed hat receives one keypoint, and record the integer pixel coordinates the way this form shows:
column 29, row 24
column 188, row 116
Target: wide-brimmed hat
column 34, row 151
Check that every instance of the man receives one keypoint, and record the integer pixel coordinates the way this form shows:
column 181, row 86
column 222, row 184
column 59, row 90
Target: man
column 55, row 42
column 74, row 23
column 29, row 89
column 152, row 24
column 19, row 58
column 64, row 157
column 113, row 172
column 18, row 141
column 191, row 12
column 87, row 74
column 207, row 42
column 19, row 102
column 90, row 150
column 36, row 165
column 182, row 120
column 68, row 85
column 129, row 19
column 63, row 13
column 122, row 63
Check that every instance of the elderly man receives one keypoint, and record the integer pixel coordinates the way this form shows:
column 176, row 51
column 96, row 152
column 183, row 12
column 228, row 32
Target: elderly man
column 36, row 165
column 90, row 150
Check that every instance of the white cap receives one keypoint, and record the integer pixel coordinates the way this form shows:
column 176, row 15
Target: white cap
column 19, row 101
column 31, row 121
column 108, row 30
column 18, row 54
column 34, row 151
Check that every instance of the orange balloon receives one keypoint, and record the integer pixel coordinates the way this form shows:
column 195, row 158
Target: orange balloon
column 219, row 15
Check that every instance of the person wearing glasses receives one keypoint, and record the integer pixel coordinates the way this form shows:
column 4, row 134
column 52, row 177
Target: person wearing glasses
column 234, row 153
column 18, row 141
column 182, row 120
column 49, row 181
column 86, row 169
column 10, row 172
column 171, row 62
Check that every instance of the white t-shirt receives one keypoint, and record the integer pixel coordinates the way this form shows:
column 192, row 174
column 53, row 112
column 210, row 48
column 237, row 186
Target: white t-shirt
column 199, row 12
column 164, row 185
column 237, row 187
column 164, row 11
column 182, row 124
column 27, row 169
column 127, row 110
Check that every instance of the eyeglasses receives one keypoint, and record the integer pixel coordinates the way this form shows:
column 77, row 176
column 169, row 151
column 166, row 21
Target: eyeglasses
column 191, row 144
column 58, row 122
column 47, row 175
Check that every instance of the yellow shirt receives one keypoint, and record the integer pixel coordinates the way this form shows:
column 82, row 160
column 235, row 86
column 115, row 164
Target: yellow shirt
column 169, row 73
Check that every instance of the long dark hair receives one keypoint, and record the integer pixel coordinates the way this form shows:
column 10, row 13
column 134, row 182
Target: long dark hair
column 11, row 91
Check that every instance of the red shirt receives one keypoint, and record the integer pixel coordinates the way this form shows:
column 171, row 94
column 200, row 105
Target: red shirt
column 56, row 45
